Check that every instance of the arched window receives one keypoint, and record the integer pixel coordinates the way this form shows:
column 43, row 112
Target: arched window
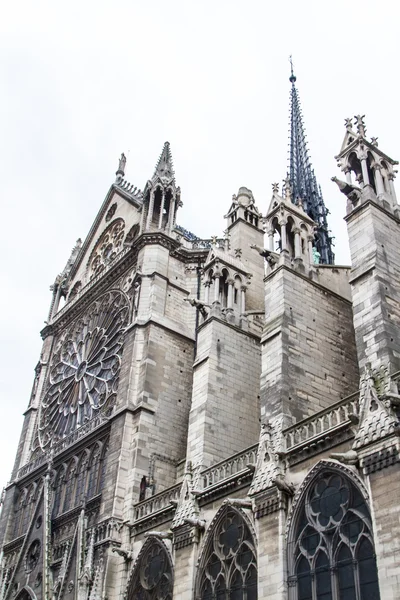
column 152, row 578
column 93, row 477
column 70, row 481
column 229, row 566
column 58, row 489
column 331, row 551
column 80, row 487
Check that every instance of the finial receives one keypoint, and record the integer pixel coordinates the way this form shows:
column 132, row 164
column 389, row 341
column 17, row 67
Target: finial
column 121, row 166
column 348, row 123
column 287, row 188
column 374, row 141
column 292, row 77
column 275, row 188
column 214, row 240
column 360, row 125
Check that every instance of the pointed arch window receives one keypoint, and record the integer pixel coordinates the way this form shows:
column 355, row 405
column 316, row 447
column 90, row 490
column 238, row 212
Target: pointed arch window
column 229, row 567
column 331, row 552
column 80, row 487
column 69, row 486
column 93, row 478
column 153, row 577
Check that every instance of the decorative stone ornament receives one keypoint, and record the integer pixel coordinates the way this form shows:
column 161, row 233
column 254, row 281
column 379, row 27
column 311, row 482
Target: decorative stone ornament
column 377, row 417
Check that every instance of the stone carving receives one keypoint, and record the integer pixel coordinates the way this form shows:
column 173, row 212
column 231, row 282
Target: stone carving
column 107, row 248
column 84, row 371
column 187, row 510
column 160, row 535
column 127, row 555
column 352, row 192
column 270, row 256
column 111, row 212
column 377, row 417
column 270, row 468
column 200, row 306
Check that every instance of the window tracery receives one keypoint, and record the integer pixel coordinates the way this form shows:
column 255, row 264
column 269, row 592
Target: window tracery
column 84, row 370
column 332, row 551
column 230, row 566
column 153, row 577
column 107, row 248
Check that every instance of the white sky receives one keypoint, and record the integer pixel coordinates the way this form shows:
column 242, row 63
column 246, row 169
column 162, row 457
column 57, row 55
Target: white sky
column 84, row 81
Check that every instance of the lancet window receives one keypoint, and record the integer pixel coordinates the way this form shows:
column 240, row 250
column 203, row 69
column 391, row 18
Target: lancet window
column 24, row 508
column 332, row 550
column 229, row 565
column 81, row 479
column 152, row 578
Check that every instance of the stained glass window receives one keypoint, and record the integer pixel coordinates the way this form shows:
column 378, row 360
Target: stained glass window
column 332, row 551
column 230, row 566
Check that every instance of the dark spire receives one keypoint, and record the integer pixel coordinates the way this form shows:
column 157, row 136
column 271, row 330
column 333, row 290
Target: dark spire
column 302, row 177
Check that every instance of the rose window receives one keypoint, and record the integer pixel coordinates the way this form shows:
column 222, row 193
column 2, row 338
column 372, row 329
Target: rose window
column 107, row 248
column 84, row 372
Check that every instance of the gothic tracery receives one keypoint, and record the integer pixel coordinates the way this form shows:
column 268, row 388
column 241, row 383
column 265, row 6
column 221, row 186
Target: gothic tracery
column 85, row 367
column 332, row 551
column 229, row 567
column 107, row 248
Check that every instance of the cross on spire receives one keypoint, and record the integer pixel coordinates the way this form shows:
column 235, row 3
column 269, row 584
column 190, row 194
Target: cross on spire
column 304, row 185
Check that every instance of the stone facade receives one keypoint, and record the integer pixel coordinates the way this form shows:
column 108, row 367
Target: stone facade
column 212, row 418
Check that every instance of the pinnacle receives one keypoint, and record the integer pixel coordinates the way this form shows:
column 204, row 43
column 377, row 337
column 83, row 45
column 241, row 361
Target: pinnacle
column 164, row 167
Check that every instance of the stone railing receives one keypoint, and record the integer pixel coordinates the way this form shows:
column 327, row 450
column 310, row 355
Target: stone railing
column 229, row 467
column 109, row 529
column 76, row 435
column 31, row 466
column 207, row 243
column 157, row 503
column 63, row 444
column 320, row 424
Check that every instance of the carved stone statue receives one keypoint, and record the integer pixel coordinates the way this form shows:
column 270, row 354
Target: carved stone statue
column 352, row 192
column 200, row 306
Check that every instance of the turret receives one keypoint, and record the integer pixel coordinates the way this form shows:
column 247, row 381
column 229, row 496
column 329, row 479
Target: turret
column 161, row 196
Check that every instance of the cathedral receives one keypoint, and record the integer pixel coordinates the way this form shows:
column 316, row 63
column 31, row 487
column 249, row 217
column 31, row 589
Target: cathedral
column 218, row 419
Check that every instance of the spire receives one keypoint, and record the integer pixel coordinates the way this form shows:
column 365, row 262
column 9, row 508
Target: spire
column 164, row 169
column 302, row 178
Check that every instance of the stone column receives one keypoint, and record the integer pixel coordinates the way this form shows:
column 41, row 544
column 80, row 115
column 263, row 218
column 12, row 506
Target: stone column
column 271, row 239
column 310, row 239
column 347, row 172
column 283, row 236
column 242, row 299
column 378, row 180
column 364, row 170
column 216, row 287
column 171, row 214
column 151, row 208
column 297, row 245
column 160, row 220
column 391, row 184
column 207, row 292
column 230, row 283
column 56, row 301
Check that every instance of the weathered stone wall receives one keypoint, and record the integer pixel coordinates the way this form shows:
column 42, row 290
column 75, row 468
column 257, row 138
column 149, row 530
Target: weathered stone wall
column 224, row 415
column 308, row 351
column 375, row 280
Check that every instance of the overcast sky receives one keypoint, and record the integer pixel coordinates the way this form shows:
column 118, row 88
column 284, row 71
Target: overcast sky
column 83, row 81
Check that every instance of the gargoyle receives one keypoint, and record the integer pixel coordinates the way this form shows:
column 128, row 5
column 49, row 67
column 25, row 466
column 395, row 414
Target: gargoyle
column 352, row 192
column 200, row 306
column 283, row 485
column 347, row 458
column 161, row 535
column 127, row 555
column 198, row 523
column 270, row 256
column 240, row 502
